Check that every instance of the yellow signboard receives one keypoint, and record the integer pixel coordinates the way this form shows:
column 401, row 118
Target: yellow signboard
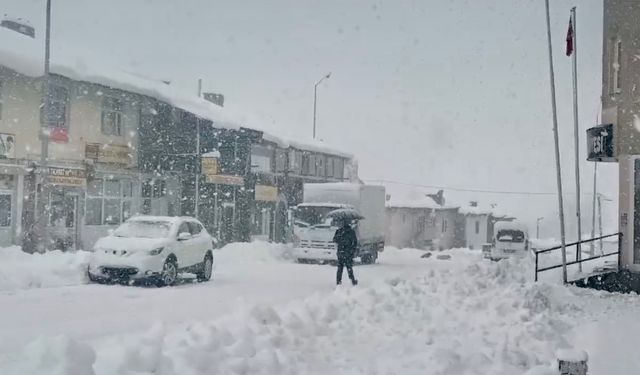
column 209, row 166
column 67, row 176
column 224, row 180
column 109, row 154
column 266, row 193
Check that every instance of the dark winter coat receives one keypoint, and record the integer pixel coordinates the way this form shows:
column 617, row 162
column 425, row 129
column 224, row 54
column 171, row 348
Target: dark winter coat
column 347, row 241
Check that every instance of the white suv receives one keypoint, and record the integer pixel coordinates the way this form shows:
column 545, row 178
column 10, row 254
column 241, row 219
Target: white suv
column 153, row 248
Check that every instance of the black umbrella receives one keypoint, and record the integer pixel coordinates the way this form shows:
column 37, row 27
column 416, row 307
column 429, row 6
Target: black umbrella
column 345, row 214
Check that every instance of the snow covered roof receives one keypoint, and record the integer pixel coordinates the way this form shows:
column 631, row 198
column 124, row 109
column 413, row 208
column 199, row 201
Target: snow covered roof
column 25, row 55
column 474, row 210
column 510, row 225
column 401, row 197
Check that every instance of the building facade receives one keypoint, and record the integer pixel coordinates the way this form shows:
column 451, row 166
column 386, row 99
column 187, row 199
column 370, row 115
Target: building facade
column 621, row 108
column 417, row 220
column 121, row 146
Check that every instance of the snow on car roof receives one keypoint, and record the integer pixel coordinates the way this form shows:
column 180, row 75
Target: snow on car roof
column 325, row 204
column 169, row 219
column 25, row 55
column 510, row 225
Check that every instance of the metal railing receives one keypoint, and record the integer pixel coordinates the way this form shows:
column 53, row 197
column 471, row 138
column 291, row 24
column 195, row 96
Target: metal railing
column 603, row 255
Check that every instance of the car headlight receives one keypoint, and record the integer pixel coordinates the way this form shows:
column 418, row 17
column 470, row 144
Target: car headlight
column 156, row 251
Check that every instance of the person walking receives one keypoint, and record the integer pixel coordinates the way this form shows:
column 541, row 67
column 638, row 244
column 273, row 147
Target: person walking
column 347, row 242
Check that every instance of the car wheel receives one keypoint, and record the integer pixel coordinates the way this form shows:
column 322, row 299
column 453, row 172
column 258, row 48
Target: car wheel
column 207, row 269
column 169, row 273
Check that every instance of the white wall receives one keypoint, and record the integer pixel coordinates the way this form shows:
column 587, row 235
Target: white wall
column 401, row 227
column 476, row 240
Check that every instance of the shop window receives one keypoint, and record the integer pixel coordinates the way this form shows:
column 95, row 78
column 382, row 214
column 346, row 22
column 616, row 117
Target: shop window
column 306, row 169
column 281, row 160
column 320, row 166
column 338, row 168
column 152, row 189
column 295, row 161
column 108, row 202
column 330, row 167
column 5, row 210
column 112, row 116
column 58, row 108
column 261, row 159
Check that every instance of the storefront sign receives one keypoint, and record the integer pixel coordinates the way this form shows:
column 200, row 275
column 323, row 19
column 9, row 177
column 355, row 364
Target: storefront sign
column 266, row 193
column 225, row 180
column 210, row 166
column 109, row 154
column 7, row 146
column 600, row 146
column 67, row 176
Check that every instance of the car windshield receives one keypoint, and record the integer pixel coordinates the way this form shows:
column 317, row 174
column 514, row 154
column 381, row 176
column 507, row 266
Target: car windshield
column 306, row 216
column 510, row 235
column 143, row 229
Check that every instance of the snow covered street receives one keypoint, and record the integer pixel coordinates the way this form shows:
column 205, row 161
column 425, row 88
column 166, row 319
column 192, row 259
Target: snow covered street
column 264, row 314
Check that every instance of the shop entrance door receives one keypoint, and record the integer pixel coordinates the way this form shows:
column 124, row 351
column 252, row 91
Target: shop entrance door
column 63, row 219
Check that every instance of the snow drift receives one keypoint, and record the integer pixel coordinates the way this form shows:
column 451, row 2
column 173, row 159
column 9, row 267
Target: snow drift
column 20, row 270
column 486, row 320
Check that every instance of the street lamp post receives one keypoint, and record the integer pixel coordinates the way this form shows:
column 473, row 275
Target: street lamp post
column 538, row 220
column 315, row 101
column 39, row 228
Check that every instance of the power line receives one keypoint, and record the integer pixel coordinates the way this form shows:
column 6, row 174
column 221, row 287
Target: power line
column 468, row 190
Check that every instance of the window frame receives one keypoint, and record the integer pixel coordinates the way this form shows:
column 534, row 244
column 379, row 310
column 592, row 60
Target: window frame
column 150, row 192
column 106, row 199
column 116, row 108
column 444, row 225
column 477, row 226
column 10, row 216
column 616, row 66
column 54, row 89
column 280, row 160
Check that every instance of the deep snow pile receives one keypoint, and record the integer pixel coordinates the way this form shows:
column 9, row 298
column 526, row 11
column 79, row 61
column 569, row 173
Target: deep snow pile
column 471, row 318
column 20, row 270
column 485, row 321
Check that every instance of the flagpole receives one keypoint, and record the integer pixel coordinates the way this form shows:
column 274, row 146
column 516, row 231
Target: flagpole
column 574, row 55
column 557, row 147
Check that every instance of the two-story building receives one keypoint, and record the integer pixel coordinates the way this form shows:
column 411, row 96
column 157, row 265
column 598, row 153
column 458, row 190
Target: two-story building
column 121, row 145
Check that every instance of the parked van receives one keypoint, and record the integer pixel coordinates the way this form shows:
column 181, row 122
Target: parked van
column 509, row 239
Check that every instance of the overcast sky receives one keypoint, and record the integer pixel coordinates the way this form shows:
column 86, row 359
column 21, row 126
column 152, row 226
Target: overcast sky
column 449, row 93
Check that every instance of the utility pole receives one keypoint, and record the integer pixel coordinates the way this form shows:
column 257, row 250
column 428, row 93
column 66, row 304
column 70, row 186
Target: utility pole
column 198, row 159
column 557, row 147
column 593, row 209
column 600, row 220
column 576, row 130
column 315, row 101
column 41, row 214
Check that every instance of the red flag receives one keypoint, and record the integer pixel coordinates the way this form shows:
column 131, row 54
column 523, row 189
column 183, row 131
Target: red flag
column 569, row 50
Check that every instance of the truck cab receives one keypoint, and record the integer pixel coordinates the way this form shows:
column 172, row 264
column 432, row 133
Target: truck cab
column 313, row 230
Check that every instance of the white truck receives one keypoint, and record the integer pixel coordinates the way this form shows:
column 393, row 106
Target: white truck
column 313, row 231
